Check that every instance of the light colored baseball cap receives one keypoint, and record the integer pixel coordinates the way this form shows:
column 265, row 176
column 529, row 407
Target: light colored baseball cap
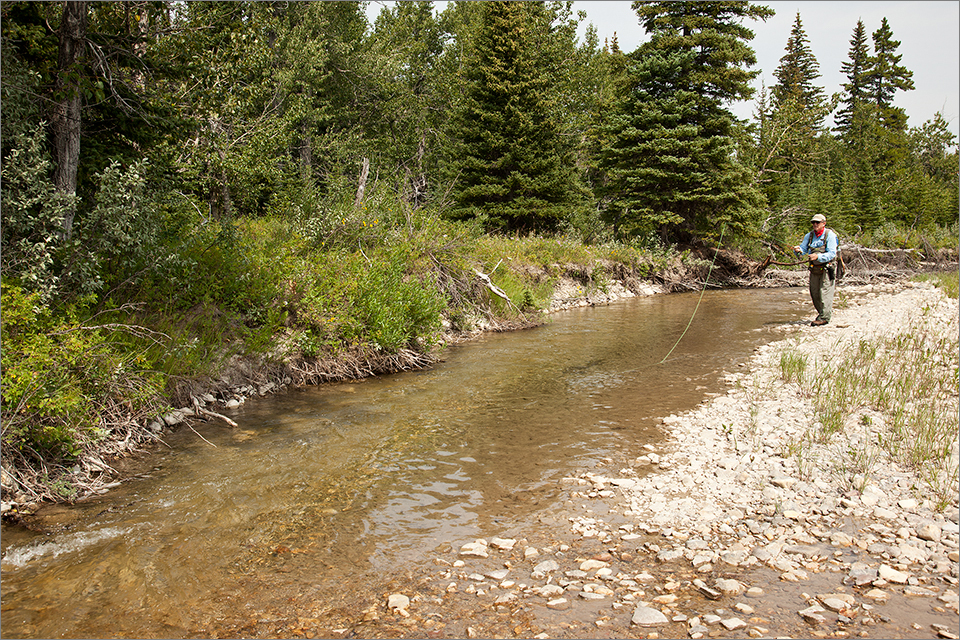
column 818, row 218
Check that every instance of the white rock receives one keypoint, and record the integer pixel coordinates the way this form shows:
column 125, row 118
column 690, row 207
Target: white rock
column 929, row 531
column 551, row 590
column 474, row 549
column 733, row 623
column 546, row 566
column 398, row 602
column 505, row 544
column 648, row 617
column 890, row 574
column 729, row 586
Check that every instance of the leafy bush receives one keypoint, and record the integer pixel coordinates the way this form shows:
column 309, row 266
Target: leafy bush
column 32, row 216
column 64, row 382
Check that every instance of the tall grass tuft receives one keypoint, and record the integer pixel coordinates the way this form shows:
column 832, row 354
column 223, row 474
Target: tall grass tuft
column 910, row 379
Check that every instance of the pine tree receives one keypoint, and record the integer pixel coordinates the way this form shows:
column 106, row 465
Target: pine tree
column 789, row 132
column 856, row 89
column 514, row 172
column 672, row 166
column 797, row 73
column 886, row 76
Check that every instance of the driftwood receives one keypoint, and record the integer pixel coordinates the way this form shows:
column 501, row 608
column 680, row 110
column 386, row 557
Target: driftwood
column 494, row 288
column 211, row 414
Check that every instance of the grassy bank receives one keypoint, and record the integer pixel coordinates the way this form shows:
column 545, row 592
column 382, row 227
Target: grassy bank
column 370, row 290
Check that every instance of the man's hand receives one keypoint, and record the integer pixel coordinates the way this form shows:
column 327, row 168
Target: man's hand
column 814, row 257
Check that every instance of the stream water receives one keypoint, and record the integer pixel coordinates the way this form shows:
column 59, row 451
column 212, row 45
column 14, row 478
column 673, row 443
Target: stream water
column 330, row 485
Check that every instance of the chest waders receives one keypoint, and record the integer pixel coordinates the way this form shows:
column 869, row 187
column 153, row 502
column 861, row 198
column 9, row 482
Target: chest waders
column 823, row 282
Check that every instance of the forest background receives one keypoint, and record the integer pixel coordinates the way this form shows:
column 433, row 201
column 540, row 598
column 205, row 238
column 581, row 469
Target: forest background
column 186, row 186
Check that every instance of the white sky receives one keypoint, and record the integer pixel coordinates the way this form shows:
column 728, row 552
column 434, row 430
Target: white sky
column 928, row 31
column 929, row 35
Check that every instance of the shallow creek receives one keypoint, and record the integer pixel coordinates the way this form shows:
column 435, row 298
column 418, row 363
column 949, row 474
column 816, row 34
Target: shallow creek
column 323, row 487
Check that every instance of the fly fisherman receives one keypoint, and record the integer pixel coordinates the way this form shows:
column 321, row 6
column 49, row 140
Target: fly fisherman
column 820, row 246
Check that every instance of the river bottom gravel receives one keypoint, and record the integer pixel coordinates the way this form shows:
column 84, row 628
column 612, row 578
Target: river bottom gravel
column 719, row 532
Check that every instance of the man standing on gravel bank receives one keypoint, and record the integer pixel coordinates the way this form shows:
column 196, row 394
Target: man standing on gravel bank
column 820, row 246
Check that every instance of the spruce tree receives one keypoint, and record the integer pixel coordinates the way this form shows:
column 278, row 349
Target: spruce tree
column 669, row 174
column 790, row 130
column 797, row 74
column 855, row 90
column 513, row 170
column 672, row 165
column 887, row 76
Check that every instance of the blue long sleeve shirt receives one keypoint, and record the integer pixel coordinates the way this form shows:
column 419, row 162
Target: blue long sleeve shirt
column 826, row 245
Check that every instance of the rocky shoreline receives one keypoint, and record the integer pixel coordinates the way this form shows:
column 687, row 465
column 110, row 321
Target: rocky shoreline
column 719, row 532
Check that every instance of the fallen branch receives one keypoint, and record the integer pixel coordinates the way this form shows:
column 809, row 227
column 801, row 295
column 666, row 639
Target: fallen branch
column 200, row 436
column 211, row 414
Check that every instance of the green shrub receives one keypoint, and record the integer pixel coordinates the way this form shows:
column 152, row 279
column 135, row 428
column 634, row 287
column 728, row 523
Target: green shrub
column 64, row 381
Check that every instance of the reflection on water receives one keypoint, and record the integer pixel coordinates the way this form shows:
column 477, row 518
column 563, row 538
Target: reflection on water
column 327, row 483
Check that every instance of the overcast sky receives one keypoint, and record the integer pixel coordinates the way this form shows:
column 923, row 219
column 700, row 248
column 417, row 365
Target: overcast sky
column 929, row 35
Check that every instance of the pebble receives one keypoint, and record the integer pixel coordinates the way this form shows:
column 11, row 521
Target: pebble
column 648, row 617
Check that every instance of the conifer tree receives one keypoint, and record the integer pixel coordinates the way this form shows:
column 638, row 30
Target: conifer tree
column 797, row 74
column 887, row 76
column 855, row 90
column 795, row 119
column 672, row 166
column 514, row 172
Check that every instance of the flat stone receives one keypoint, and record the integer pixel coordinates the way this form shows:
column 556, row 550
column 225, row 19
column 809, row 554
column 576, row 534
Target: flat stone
column 474, row 549
column 884, row 514
column 929, row 531
column 847, row 599
column 862, row 573
column 729, row 586
column 669, row 555
column 909, row 553
column 546, row 566
column 648, row 617
column 734, row 558
column 559, row 604
column 835, row 604
column 505, row 544
column 890, row 574
column 841, row 539
column 733, row 623
column 878, row 595
column 813, row 614
column 943, row 631
column 806, row 551
column 551, row 590
column 591, row 565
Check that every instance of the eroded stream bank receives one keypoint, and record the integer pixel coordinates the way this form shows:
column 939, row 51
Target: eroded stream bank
column 345, row 484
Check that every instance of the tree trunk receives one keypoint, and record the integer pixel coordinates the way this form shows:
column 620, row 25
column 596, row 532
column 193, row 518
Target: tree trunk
column 65, row 119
